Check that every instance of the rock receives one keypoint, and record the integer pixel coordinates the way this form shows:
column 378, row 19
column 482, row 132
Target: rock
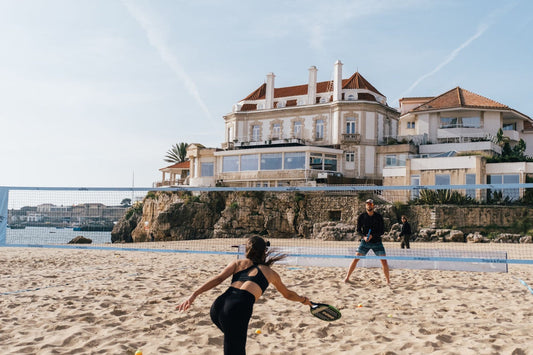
column 457, row 236
column 80, row 240
column 333, row 231
column 476, row 237
column 526, row 239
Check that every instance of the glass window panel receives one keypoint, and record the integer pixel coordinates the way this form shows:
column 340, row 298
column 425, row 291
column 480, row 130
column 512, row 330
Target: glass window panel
column 249, row 162
column 442, row 179
column 206, row 169
column 471, row 122
column 315, row 161
column 255, row 133
column 390, row 160
column 230, row 163
column 294, row 161
column 330, row 164
column 350, row 125
column 470, row 180
column 320, row 129
column 298, row 129
column 271, row 161
column 448, row 122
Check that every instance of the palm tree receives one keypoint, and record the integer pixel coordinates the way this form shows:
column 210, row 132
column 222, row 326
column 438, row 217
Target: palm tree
column 177, row 154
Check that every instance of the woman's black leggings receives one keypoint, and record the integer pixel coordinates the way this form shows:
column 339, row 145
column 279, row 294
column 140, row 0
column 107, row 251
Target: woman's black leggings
column 231, row 313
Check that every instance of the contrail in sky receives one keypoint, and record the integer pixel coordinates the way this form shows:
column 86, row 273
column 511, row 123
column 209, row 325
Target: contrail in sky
column 491, row 18
column 157, row 41
column 448, row 59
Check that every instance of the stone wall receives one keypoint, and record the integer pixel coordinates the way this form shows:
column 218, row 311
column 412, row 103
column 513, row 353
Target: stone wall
column 180, row 215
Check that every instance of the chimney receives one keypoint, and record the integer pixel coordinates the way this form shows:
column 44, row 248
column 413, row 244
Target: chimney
column 311, row 87
column 269, row 95
column 337, row 81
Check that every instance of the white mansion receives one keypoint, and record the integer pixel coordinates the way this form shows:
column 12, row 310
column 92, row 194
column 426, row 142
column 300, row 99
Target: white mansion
column 343, row 131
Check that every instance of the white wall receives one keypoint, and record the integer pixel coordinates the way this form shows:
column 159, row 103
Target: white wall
column 370, row 156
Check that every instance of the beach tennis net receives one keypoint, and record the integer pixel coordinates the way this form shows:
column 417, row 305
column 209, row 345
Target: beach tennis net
column 470, row 227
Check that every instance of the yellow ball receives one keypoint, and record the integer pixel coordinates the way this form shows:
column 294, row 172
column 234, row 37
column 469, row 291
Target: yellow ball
column 359, row 305
column 390, row 316
column 258, row 331
column 139, row 352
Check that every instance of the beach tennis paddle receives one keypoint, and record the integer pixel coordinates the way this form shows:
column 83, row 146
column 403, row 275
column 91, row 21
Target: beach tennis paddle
column 325, row 311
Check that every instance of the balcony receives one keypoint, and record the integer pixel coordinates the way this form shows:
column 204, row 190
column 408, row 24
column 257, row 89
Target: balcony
column 512, row 135
column 351, row 138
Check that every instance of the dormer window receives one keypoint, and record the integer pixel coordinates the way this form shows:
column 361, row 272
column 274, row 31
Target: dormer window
column 281, row 104
column 323, row 100
column 351, row 97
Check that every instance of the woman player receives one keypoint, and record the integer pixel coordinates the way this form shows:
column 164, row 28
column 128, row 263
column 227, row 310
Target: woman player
column 232, row 310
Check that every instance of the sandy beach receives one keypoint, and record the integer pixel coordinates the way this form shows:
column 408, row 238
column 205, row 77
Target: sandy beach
column 57, row 301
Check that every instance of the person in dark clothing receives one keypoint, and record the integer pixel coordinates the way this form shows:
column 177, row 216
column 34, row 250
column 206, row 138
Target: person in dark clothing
column 405, row 233
column 370, row 228
column 232, row 310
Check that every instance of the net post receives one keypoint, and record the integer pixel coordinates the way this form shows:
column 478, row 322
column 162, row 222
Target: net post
column 4, row 194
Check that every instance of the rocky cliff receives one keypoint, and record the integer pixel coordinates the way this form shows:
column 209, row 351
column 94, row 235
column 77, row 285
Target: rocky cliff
column 182, row 215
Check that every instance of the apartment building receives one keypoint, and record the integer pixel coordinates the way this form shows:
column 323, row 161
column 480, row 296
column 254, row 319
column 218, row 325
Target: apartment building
column 298, row 135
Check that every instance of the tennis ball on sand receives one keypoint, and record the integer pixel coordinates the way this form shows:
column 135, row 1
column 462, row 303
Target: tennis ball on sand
column 390, row 315
column 359, row 305
column 258, row 331
column 139, row 352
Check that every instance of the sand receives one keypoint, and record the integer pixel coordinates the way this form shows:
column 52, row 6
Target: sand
column 58, row 301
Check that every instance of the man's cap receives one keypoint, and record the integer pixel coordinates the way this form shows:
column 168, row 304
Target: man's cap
column 370, row 201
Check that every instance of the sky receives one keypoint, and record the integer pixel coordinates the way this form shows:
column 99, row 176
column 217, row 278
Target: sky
column 93, row 93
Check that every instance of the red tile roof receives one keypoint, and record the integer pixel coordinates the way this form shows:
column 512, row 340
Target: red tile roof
column 183, row 165
column 356, row 81
column 459, row 98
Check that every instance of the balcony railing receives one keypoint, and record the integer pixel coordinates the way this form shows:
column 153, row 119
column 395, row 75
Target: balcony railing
column 351, row 138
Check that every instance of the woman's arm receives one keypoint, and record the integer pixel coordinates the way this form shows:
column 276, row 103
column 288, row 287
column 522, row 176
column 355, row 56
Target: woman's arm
column 288, row 294
column 213, row 282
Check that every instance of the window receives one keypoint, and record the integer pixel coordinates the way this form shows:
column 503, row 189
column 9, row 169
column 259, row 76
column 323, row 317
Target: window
column 471, row 122
column 276, row 131
column 415, row 182
column 249, row 162
column 350, row 125
column 330, row 162
column 350, row 156
column 297, row 129
column 509, row 127
column 513, row 193
column 448, row 122
column 410, row 125
column 351, row 97
column 458, row 122
column 294, row 161
column 323, row 100
column 390, row 160
column 271, row 161
column 442, row 179
column 470, row 180
column 230, row 163
column 206, row 169
column 315, row 161
column 319, row 129
column 281, row 104
column 255, row 133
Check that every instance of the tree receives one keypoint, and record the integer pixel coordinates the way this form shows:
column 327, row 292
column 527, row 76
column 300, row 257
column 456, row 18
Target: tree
column 126, row 202
column 177, row 154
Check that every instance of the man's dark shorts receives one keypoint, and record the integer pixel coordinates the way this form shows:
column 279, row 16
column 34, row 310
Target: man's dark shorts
column 377, row 248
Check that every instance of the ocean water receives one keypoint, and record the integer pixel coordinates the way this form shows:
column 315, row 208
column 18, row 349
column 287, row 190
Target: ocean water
column 45, row 235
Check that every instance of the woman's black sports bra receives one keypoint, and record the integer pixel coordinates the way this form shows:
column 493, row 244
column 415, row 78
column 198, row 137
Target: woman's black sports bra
column 258, row 278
